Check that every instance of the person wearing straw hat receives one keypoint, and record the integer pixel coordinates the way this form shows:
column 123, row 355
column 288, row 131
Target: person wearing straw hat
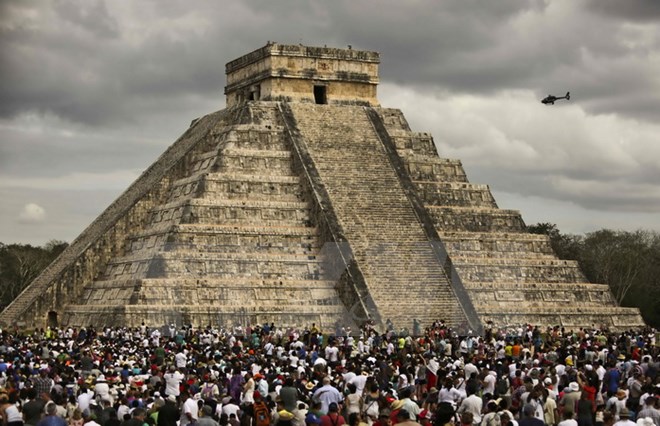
column 624, row 418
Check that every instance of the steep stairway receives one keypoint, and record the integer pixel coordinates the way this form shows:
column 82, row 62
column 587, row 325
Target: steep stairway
column 403, row 275
column 512, row 277
column 233, row 243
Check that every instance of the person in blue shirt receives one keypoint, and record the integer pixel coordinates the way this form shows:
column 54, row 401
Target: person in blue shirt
column 51, row 418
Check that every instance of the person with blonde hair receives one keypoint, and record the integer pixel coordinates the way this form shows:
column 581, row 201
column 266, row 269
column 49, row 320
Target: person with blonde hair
column 11, row 416
column 76, row 418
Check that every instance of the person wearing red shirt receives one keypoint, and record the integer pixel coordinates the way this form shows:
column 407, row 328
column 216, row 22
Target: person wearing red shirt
column 333, row 418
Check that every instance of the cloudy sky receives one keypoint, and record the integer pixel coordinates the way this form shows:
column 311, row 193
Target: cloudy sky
column 93, row 91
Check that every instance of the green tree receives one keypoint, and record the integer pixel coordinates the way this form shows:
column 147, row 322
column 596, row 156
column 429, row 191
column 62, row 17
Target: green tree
column 565, row 246
column 21, row 263
column 629, row 262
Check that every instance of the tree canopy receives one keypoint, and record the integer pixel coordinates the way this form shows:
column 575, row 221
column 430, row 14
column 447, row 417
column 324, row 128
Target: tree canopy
column 21, row 263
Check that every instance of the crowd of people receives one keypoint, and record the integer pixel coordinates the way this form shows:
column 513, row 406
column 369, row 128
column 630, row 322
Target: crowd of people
column 267, row 375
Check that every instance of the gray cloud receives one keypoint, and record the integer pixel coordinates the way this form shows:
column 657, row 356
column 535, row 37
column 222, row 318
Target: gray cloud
column 99, row 88
column 636, row 10
column 93, row 63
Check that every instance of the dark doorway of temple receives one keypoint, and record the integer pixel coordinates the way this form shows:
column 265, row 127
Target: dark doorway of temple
column 52, row 319
column 320, row 95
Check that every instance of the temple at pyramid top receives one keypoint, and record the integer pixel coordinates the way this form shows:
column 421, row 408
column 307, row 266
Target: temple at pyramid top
column 296, row 73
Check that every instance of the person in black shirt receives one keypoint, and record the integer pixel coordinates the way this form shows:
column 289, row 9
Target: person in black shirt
column 168, row 415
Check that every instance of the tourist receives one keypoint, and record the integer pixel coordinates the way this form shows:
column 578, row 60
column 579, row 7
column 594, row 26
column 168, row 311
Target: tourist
column 189, row 410
column 650, row 410
column 472, row 404
column 624, row 418
column 206, row 417
column 51, row 418
column 327, row 394
column 332, row 418
column 11, row 416
column 529, row 419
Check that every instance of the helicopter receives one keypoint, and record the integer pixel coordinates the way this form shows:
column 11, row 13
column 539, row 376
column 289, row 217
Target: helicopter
column 550, row 100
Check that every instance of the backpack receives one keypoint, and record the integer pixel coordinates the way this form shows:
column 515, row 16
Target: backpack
column 207, row 391
column 261, row 414
column 371, row 407
column 492, row 419
column 501, row 386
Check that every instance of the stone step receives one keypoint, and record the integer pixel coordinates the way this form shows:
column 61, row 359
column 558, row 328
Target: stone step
column 213, row 292
column 235, row 186
column 551, row 309
column 455, row 194
column 255, row 237
column 413, row 142
column 532, row 298
column 496, row 243
column 276, row 307
column 434, row 169
column 461, row 257
column 467, row 260
column 474, row 219
column 515, row 287
column 518, row 273
column 234, row 283
column 242, row 160
column 248, row 238
column 325, row 317
column 259, row 137
column 249, row 136
column 192, row 264
column 571, row 318
column 394, row 120
column 212, row 211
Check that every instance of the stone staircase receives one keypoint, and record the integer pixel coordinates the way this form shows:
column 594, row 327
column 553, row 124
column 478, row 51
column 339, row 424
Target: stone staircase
column 234, row 243
column 402, row 273
column 84, row 258
column 512, row 277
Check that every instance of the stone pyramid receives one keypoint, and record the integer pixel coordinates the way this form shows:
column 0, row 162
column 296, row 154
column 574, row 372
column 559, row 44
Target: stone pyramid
column 306, row 202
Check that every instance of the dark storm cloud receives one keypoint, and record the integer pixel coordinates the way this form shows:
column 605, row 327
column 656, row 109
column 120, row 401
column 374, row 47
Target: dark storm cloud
column 486, row 47
column 82, row 60
column 84, row 73
column 637, row 10
column 96, row 90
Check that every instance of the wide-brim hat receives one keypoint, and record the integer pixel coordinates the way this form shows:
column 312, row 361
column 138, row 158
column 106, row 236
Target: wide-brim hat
column 573, row 386
column 285, row 415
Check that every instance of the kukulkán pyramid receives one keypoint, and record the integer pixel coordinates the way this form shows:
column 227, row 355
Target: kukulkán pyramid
column 306, row 202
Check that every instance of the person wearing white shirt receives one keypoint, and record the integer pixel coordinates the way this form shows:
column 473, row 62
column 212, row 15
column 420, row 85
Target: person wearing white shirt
column 489, row 382
column 360, row 381
column 470, row 368
column 173, row 380
column 190, row 410
column 180, row 359
column 472, row 404
column 84, row 398
column 332, row 353
column 448, row 393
